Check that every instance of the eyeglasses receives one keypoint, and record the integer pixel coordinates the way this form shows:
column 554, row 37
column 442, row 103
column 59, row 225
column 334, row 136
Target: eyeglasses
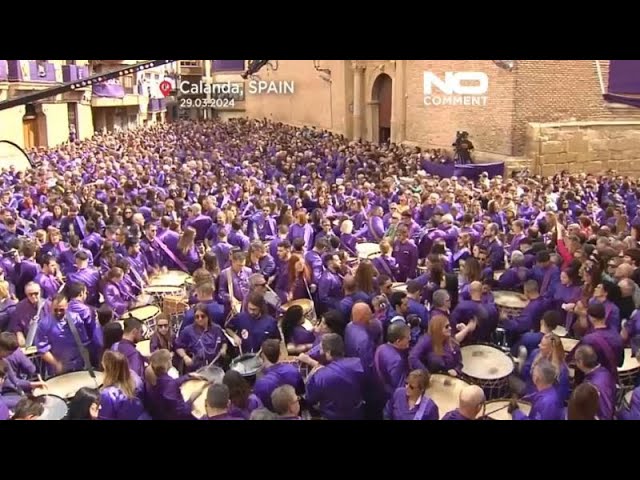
column 200, row 316
column 166, row 325
column 33, row 294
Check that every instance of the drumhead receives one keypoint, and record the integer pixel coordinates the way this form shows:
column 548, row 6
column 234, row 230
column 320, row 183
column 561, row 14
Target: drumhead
column 560, row 331
column 630, row 362
column 399, row 287
column 190, row 387
column 485, row 362
column 142, row 313
column 503, row 414
column 364, row 250
column 568, row 344
column 144, row 347
column 246, row 365
column 175, row 278
column 497, row 274
column 305, row 303
column 55, row 408
column 503, row 298
column 163, row 290
column 445, row 392
column 67, row 384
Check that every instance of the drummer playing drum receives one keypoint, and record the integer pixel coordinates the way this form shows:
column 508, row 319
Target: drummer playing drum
column 201, row 343
column 249, row 329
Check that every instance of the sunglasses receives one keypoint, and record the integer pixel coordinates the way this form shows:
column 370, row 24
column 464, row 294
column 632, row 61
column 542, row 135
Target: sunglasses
column 200, row 316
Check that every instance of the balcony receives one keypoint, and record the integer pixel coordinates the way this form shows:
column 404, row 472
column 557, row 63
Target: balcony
column 72, row 73
column 31, row 71
column 113, row 93
column 157, row 105
column 228, row 66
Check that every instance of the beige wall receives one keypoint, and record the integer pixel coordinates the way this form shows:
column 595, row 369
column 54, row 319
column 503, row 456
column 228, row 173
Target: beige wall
column 85, row 121
column 57, row 123
column 11, row 125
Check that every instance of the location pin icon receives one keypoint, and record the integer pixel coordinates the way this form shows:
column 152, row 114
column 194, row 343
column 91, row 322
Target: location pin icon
column 165, row 87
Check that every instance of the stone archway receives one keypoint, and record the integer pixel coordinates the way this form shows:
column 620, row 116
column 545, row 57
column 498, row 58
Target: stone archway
column 381, row 105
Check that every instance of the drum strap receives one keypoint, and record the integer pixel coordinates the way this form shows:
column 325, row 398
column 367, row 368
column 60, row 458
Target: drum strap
column 422, row 408
column 386, row 266
column 33, row 326
column 170, row 254
column 81, row 347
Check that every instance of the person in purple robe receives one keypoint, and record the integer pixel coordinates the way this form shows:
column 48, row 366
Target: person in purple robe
column 93, row 241
column 67, row 259
column 528, row 319
column 234, row 282
column 163, row 399
column 149, row 247
column 27, row 270
column 54, row 246
column 88, row 276
column 374, row 226
column 260, row 261
column 237, row 238
column 199, row 222
column 55, row 341
column 242, row 401
column 314, row 259
column 545, row 402
column 550, row 349
column 73, row 224
column 132, row 334
column 121, row 395
column 7, row 305
column 77, row 295
column 411, row 401
column 297, row 333
column 438, row 350
column 336, row 389
column 330, row 283
column 223, row 249
column 118, row 299
column 391, row 361
column 275, row 373
column 546, row 274
column 632, row 410
column 517, row 229
column 406, row 254
column 201, row 343
column 485, row 314
column 586, row 360
column 4, row 409
column 301, row 229
column 470, row 404
column 494, row 247
column 251, row 328
column 49, row 278
column 607, row 343
column 186, row 252
column 386, row 264
column 19, row 369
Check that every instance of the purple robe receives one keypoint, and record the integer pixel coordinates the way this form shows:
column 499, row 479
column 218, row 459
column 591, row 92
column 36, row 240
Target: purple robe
column 423, row 357
column 612, row 314
column 203, row 346
column 90, row 278
column 301, row 231
column 21, row 365
column 608, row 346
column 4, row 411
column 358, row 343
column 152, row 253
column 485, row 313
column 201, row 225
column 238, row 239
column 375, row 229
column 392, row 367
column 7, row 307
column 222, row 251
column 55, row 336
column 22, row 315
column 49, row 284
column 406, row 254
column 67, row 260
column 563, row 384
column 330, row 289
column 337, row 389
column 239, row 287
column 115, row 405
column 134, row 357
column 605, row 383
column 265, row 266
column 397, row 407
column 513, row 278
column 633, row 411
column 548, row 279
column 546, row 405
column 253, row 331
column 93, row 242
column 253, row 403
column 275, row 376
column 25, row 272
column 115, row 298
column 164, row 400
column 387, row 266
column 314, row 260
column 94, row 331
column 302, row 336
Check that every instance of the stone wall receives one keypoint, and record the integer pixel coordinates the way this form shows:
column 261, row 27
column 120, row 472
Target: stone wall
column 592, row 147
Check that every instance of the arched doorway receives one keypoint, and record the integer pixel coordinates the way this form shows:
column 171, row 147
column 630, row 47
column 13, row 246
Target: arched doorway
column 381, row 96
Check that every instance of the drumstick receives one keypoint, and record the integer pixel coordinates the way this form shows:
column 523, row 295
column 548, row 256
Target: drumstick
column 42, row 381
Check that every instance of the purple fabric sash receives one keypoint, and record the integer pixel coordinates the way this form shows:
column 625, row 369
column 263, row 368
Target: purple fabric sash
column 387, row 268
column 170, row 254
column 421, row 409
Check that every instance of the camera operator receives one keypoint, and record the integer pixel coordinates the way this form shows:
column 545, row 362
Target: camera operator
column 463, row 147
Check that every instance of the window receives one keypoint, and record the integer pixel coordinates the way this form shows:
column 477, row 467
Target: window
column 189, row 63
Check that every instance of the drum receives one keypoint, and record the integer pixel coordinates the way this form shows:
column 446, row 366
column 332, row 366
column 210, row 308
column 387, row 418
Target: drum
column 497, row 274
column 568, row 344
column 499, row 410
column 560, row 331
column 629, row 371
column 196, row 387
column 510, row 303
column 445, row 392
column 488, row 367
column 147, row 315
column 173, row 278
column 307, row 308
column 66, row 385
column 174, row 306
column 160, row 292
column 367, row 250
column 55, row 408
column 144, row 347
column 247, row 365
column 399, row 287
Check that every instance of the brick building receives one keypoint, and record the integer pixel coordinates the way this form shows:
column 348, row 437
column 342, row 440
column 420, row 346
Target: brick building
column 546, row 114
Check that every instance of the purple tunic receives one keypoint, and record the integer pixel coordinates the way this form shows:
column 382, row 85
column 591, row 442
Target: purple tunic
column 240, row 284
column 337, row 389
column 485, row 313
column 302, row 336
column 203, row 346
column 301, row 231
column 55, row 336
column 392, row 367
column 115, row 298
column 21, row 365
column 605, row 383
column 25, row 272
column 115, row 405
column 314, row 260
column 275, row 376
column 134, row 357
column 633, row 412
column 423, row 357
column 238, row 239
column 330, row 288
column 359, row 343
column 406, row 254
column 22, row 315
column 608, row 346
column 253, row 402
column 254, row 331
column 201, row 224
column 90, row 278
column 387, row 266
column 164, row 400
column 49, row 284
column 397, row 407
column 546, row 405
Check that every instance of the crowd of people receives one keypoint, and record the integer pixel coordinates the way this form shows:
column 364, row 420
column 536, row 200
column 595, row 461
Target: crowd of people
column 269, row 222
